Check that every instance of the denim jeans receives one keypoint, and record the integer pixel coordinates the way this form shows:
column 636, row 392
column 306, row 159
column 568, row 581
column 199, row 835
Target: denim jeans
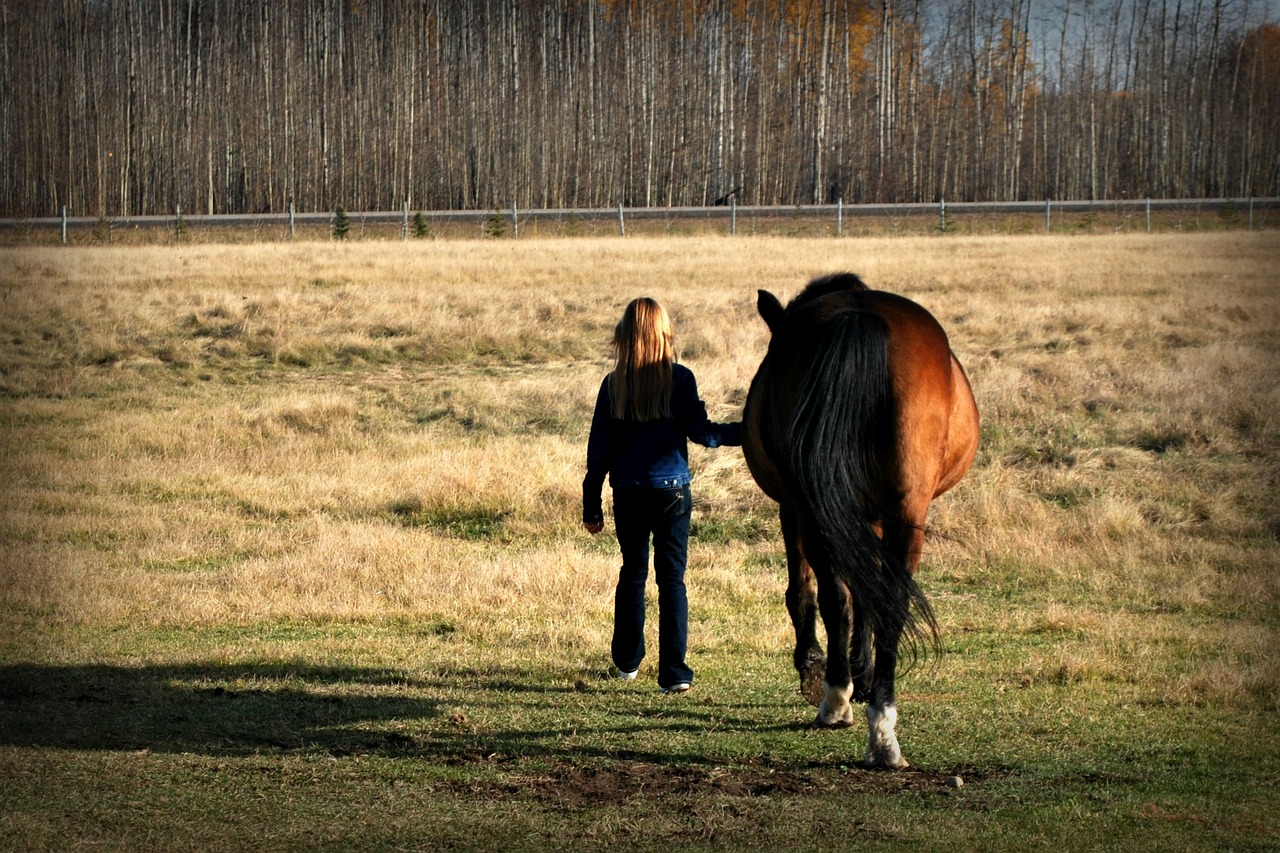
column 663, row 514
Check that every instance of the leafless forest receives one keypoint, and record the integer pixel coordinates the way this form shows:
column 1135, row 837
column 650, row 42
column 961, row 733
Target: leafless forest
column 122, row 107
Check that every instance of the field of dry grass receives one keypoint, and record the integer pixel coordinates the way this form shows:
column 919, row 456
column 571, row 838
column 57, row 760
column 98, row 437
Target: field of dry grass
column 373, row 452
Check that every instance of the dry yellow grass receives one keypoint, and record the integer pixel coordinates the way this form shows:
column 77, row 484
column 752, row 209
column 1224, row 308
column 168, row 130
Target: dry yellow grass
column 226, row 435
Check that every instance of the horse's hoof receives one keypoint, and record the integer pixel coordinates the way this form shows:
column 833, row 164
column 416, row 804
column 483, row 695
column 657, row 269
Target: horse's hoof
column 819, row 723
column 886, row 763
column 811, row 679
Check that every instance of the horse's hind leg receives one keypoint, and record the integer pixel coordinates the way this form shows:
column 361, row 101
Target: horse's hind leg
column 834, row 602
column 802, row 605
column 860, row 658
column 860, row 664
column 883, row 749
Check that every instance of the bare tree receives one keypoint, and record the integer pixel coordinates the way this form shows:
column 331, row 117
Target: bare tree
column 244, row 105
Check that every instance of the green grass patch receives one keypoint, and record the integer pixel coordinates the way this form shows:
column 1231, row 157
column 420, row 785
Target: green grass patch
column 477, row 523
column 306, row 752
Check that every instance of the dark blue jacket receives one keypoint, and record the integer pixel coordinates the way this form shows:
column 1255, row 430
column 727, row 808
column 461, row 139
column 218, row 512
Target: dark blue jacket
column 653, row 454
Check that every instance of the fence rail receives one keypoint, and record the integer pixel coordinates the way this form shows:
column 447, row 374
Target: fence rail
column 1244, row 207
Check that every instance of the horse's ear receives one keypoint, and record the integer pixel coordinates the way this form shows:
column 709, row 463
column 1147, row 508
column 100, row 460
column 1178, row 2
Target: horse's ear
column 770, row 309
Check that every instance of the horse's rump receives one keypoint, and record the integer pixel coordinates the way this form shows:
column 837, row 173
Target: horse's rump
column 842, row 441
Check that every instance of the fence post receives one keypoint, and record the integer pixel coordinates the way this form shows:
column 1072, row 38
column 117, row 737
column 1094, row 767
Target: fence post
column 1250, row 214
column 733, row 216
column 64, row 220
column 515, row 221
column 622, row 226
column 839, row 216
column 404, row 223
column 1148, row 216
column 1046, row 215
column 942, row 215
column 291, row 211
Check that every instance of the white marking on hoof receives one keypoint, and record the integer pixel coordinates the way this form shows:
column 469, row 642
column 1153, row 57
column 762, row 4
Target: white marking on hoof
column 882, row 739
column 835, row 712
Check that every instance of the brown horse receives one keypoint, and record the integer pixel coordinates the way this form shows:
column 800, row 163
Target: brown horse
column 859, row 416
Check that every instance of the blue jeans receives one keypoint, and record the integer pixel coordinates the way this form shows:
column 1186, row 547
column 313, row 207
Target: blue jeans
column 663, row 514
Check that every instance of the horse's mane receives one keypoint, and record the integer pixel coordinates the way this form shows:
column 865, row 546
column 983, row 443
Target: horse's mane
column 827, row 284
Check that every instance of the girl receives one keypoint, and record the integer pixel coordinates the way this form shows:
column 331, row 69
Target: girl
column 646, row 410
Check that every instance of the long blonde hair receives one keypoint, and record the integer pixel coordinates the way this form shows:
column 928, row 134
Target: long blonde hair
column 645, row 347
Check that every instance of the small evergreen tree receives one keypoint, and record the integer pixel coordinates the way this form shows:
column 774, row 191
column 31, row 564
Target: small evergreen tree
column 341, row 225
column 420, row 228
column 497, row 225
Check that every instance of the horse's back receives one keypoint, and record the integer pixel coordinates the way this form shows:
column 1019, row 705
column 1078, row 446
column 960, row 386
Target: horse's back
column 936, row 427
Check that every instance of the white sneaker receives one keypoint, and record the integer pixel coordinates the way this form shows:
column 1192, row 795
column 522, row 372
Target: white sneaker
column 677, row 689
column 621, row 674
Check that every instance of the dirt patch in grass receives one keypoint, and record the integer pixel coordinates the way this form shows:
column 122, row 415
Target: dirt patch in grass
column 616, row 782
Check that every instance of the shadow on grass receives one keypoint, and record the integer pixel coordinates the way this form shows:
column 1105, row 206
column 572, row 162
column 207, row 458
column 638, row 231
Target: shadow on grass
column 204, row 708
column 574, row 747
column 235, row 710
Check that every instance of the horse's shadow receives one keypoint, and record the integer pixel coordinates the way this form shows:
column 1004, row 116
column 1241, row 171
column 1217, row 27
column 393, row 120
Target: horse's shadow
column 228, row 710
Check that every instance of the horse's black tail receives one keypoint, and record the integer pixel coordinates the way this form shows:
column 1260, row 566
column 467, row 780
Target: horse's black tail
column 842, row 430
